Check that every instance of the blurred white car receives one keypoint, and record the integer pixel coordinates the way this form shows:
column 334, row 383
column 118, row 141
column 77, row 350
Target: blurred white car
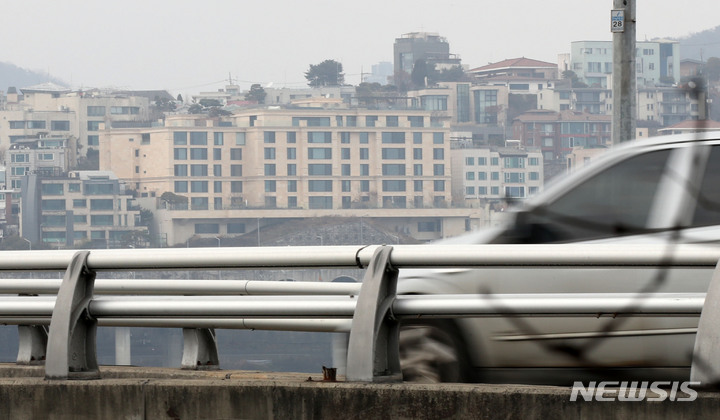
column 638, row 192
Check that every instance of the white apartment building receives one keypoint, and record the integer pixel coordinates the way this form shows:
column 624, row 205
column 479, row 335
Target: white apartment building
column 482, row 175
column 657, row 62
column 291, row 163
column 49, row 110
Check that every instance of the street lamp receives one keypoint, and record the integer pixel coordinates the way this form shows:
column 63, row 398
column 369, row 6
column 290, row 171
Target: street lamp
column 218, row 239
column 28, row 241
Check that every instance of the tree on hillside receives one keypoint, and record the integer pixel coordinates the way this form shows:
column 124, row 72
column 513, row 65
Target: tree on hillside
column 256, row 93
column 327, row 73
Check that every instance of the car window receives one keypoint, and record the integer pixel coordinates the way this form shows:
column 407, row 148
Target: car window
column 707, row 210
column 614, row 202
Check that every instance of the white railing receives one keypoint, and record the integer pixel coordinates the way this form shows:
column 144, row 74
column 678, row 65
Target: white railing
column 74, row 306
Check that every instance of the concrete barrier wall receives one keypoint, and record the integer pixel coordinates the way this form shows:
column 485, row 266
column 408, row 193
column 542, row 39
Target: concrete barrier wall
column 256, row 395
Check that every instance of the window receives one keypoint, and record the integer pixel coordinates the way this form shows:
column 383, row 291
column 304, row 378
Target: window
column 291, row 137
column 239, row 139
column 101, row 220
column 439, row 169
column 319, row 169
column 392, row 185
column 60, row 125
column 345, row 185
column 344, row 137
column 319, row 153
column 292, row 186
column 364, row 186
column 351, row 121
column 320, row 186
column 291, row 169
column 364, row 153
column 417, row 153
column 291, row 153
column 180, row 138
column 345, row 153
column 52, row 189
column 417, row 138
column 608, row 200
column 79, row 219
column 269, row 169
column 96, row 111
column 438, row 154
column 217, row 154
column 93, row 125
column 101, row 204
column 393, row 169
column 181, row 186
column 482, row 161
column 198, row 170
column 218, row 139
column 270, row 186
column 319, row 137
column 235, row 154
column 235, row 227
column 470, row 176
column 418, row 185
column 370, row 121
column 393, row 153
column 534, row 176
column 180, row 153
column 364, row 138
column 364, row 169
column 417, row 169
column 482, row 176
column 217, row 170
column 494, row 161
column 268, row 137
column 79, row 203
column 269, row 153
column 393, row 138
column 199, row 186
column 438, row 138
column 515, row 192
column 533, row 161
column 469, row 161
column 514, row 162
column 53, row 204
column 469, row 190
column 391, row 121
column 124, row 110
column 320, row 202
column 345, row 169
column 217, row 186
column 416, row 121
column 93, row 140
column 236, row 186
column 515, row 177
column 198, row 154
column 199, row 203
column 74, row 187
column 198, row 138
column 495, row 176
column 201, row 228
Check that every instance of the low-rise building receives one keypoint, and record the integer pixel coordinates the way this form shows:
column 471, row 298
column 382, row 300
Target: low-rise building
column 80, row 208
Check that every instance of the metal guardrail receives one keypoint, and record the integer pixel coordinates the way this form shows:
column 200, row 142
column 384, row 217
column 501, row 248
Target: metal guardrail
column 370, row 312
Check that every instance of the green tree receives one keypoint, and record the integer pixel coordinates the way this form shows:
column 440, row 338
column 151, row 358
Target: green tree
column 711, row 69
column 256, row 93
column 327, row 73
column 574, row 79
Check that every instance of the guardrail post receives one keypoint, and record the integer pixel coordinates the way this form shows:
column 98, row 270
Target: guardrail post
column 705, row 366
column 32, row 342
column 71, row 343
column 373, row 352
column 200, row 349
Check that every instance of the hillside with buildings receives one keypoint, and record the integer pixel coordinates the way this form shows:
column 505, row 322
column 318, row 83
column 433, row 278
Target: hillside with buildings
column 425, row 149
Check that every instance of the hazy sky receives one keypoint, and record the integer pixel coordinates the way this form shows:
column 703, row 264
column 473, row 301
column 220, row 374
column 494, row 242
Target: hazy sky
column 187, row 46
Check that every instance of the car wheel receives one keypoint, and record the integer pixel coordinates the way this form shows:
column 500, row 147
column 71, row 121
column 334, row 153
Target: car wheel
column 432, row 352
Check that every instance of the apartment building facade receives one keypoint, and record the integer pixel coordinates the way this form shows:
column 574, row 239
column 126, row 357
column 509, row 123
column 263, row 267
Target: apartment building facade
column 482, row 175
column 80, row 208
column 657, row 62
column 290, row 162
column 557, row 133
column 51, row 110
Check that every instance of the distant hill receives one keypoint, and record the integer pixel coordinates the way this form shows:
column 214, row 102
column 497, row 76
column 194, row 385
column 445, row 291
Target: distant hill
column 701, row 45
column 12, row 75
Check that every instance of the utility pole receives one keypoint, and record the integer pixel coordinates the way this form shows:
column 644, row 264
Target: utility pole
column 622, row 25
